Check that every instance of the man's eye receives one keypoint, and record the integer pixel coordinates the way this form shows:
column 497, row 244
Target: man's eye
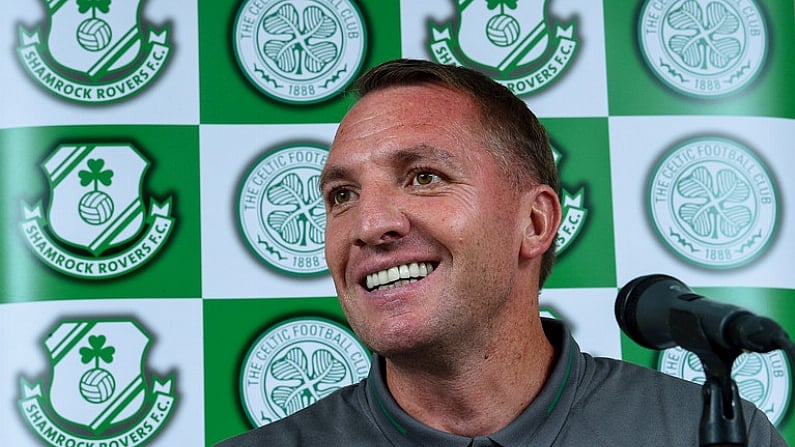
column 425, row 178
column 341, row 196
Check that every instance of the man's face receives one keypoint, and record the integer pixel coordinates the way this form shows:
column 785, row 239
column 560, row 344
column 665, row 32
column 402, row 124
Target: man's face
column 411, row 193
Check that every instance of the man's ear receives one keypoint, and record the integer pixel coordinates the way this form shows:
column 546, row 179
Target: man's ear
column 541, row 208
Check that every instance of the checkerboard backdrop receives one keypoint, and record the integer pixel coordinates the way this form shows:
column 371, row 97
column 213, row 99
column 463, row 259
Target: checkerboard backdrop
column 161, row 239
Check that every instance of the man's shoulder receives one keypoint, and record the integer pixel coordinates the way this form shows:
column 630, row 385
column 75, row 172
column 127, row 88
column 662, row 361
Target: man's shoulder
column 608, row 379
column 606, row 371
column 337, row 419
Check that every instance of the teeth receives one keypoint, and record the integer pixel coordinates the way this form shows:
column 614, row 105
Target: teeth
column 398, row 276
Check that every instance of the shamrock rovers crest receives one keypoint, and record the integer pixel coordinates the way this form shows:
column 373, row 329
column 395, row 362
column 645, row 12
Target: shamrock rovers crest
column 96, row 225
column 93, row 51
column 97, row 392
column 297, row 362
column 574, row 213
column 281, row 213
column 511, row 40
column 299, row 51
column 703, row 48
column 713, row 202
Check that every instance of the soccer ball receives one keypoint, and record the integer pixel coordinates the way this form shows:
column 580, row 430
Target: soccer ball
column 502, row 30
column 97, row 385
column 93, row 34
column 96, row 208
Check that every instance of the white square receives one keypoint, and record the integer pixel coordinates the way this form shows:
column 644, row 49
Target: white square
column 175, row 352
column 230, row 269
column 562, row 96
column 636, row 146
column 169, row 95
column 589, row 314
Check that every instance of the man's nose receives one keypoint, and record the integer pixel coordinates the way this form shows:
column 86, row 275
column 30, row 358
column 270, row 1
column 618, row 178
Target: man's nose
column 381, row 218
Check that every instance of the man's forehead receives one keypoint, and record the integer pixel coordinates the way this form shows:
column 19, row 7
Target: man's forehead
column 403, row 111
column 413, row 98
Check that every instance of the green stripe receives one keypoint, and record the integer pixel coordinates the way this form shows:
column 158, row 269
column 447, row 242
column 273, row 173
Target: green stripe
column 389, row 417
column 75, row 341
column 80, row 154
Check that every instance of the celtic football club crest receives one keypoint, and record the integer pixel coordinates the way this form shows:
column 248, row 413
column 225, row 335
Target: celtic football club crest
column 763, row 379
column 281, row 213
column 574, row 214
column 98, row 392
column 713, row 202
column 300, row 51
column 96, row 225
column 93, row 51
column 511, row 40
column 703, row 48
column 297, row 362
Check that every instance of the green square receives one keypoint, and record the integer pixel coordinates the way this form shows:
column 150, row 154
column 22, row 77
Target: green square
column 172, row 177
column 231, row 328
column 227, row 95
column 634, row 88
column 585, row 167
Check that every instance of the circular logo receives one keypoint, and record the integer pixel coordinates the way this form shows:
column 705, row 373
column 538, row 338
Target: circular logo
column 763, row 379
column 300, row 51
column 713, row 202
column 703, row 48
column 296, row 363
column 281, row 212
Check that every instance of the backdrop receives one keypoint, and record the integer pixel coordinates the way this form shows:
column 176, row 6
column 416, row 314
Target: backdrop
column 162, row 277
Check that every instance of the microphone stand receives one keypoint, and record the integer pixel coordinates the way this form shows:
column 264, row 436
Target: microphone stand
column 722, row 422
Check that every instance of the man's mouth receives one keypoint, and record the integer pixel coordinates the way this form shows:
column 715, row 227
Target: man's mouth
column 398, row 276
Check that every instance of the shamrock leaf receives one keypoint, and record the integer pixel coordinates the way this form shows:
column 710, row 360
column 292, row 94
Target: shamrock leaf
column 715, row 208
column 318, row 24
column 84, row 5
column 293, row 366
column 283, row 21
column 302, row 385
column 327, row 368
column 97, row 350
column 95, row 173
column 319, row 55
column 306, row 45
column 493, row 4
column 694, row 362
column 703, row 39
column 746, row 371
column 305, row 219
column 687, row 17
column 748, row 365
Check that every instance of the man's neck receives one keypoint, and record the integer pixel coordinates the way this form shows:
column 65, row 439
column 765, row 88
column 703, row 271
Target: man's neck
column 476, row 392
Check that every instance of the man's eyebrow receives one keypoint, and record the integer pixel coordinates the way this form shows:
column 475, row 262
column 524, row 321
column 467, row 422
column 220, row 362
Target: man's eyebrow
column 330, row 174
column 401, row 157
column 421, row 152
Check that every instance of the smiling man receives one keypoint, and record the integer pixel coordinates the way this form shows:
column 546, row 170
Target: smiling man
column 442, row 211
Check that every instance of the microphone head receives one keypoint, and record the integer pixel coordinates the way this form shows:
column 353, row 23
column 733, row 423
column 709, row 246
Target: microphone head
column 643, row 307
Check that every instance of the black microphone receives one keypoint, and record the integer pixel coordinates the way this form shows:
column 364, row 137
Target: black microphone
column 659, row 311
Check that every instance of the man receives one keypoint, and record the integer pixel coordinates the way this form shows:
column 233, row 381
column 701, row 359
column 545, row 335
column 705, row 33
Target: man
column 442, row 211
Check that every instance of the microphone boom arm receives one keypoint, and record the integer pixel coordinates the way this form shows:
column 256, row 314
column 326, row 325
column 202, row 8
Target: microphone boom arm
column 722, row 422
